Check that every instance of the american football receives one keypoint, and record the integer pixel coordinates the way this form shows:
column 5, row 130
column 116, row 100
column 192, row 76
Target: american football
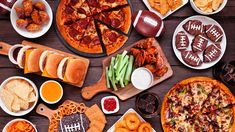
column 5, row 6
column 181, row 41
column 148, row 24
column 214, row 33
column 191, row 58
column 212, row 53
column 194, row 27
column 199, row 43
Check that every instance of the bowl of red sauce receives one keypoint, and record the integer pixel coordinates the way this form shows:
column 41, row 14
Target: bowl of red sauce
column 110, row 104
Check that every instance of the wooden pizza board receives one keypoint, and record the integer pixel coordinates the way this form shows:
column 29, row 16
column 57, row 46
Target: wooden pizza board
column 4, row 48
column 129, row 91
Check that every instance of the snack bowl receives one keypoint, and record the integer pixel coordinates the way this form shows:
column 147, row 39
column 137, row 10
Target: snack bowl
column 21, row 112
column 117, row 104
column 221, row 7
column 14, row 50
column 16, row 120
column 24, row 32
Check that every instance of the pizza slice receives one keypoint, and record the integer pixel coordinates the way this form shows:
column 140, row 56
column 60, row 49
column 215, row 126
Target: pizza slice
column 108, row 4
column 111, row 39
column 90, row 43
column 202, row 123
column 220, row 97
column 223, row 119
column 118, row 19
column 200, row 91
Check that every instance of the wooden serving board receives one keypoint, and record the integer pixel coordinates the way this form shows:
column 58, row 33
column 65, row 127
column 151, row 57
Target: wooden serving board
column 129, row 91
column 47, row 112
column 4, row 48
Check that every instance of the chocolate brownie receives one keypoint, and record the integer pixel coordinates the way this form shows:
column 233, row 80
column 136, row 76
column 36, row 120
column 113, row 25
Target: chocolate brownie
column 181, row 41
column 194, row 27
column 214, row 33
column 199, row 43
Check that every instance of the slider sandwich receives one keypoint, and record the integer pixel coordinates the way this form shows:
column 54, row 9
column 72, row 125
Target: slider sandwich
column 71, row 70
column 21, row 56
column 49, row 62
column 32, row 57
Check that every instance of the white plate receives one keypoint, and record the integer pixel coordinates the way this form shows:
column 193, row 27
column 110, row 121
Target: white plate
column 146, row 2
column 205, row 20
column 15, row 120
column 129, row 111
column 24, row 32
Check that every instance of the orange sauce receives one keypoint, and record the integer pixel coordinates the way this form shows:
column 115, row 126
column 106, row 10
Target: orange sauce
column 51, row 91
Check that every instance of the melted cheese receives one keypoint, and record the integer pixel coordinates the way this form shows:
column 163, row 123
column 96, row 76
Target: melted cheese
column 27, row 53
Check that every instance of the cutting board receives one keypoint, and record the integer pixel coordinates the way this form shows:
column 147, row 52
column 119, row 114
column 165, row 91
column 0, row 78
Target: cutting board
column 129, row 91
column 4, row 48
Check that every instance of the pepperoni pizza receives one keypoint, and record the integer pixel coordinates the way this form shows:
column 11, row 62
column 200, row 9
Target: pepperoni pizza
column 78, row 22
column 198, row 104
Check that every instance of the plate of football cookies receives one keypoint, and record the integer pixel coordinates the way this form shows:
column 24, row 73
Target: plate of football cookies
column 164, row 8
column 199, row 42
column 93, row 28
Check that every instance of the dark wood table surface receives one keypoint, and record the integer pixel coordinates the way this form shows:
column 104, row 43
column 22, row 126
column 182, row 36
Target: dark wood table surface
column 7, row 34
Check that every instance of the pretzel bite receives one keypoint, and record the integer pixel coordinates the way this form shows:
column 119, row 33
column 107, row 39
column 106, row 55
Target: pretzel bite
column 40, row 6
column 21, row 23
column 44, row 17
column 33, row 27
column 20, row 12
column 28, row 7
column 35, row 17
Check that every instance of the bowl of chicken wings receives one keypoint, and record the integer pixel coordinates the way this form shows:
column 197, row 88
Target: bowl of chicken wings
column 31, row 18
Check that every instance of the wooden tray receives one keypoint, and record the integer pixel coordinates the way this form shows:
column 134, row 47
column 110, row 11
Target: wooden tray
column 4, row 48
column 129, row 91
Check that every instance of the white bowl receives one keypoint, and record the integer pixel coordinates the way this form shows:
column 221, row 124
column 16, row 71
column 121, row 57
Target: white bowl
column 22, row 112
column 15, row 120
column 40, row 91
column 139, row 76
column 110, row 112
column 11, row 51
column 205, row 13
column 24, row 32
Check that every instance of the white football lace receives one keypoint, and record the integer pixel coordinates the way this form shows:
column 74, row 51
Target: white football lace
column 183, row 40
column 211, row 54
column 72, row 127
column 194, row 58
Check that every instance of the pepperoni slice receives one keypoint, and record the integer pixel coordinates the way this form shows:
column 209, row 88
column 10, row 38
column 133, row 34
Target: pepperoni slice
column 112, row 36
column 68, row 21
column 86, row 40
column 107, row 20
column 83, row 23
column 116, row 23
column 93, row 3
column 110, row 1
column 73, row 2
column 105, row 7
column 81, row 10
column 73, row 32
column 69, row 10
column 96, row 40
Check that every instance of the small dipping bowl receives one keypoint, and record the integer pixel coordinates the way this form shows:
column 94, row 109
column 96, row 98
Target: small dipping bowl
column 103, row 103
column 13, row 53
column 150, row 101
column 16, row 120
column 53, row 89
column 142, row 78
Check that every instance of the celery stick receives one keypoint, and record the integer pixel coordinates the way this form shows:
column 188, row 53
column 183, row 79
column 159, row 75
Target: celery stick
column 107, row 77
column 111, row 67
column 113, row 83
column 122, row 72
column 129, row 68
column 122, row 64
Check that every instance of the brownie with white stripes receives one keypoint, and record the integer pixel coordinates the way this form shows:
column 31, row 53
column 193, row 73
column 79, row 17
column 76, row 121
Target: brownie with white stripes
column 214, row 33
column 194, row 27
column 212, row 53
column 181, row 41
column 199, row 43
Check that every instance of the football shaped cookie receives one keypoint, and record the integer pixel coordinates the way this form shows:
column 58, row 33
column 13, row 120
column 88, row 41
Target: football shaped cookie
column 194, row 27
column 148, row 23
column 214, row 33
column 191, row 58
column 212, row 53
column 199, row 43
column 181, row 41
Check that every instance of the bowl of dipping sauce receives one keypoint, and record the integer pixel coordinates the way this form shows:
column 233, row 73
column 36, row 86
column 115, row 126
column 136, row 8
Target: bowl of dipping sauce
column 147, row 104
column 142, row 78
column 51, row 92
column 110, row 104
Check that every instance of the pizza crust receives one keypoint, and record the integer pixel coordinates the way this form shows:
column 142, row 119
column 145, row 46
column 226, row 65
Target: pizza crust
column 190, row 80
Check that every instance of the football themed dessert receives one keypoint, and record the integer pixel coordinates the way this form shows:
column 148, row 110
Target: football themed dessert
column 92, row 26
column 199, row 43
column 198, row 104
column 31, row 16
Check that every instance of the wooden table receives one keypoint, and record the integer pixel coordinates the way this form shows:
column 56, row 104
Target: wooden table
column 226, row 18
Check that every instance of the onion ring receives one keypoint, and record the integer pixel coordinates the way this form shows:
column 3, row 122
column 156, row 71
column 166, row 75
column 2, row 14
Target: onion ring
column 132, row 121
column 145, row 127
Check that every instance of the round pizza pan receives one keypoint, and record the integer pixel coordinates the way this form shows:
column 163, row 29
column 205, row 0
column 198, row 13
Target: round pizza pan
column 90, row 55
